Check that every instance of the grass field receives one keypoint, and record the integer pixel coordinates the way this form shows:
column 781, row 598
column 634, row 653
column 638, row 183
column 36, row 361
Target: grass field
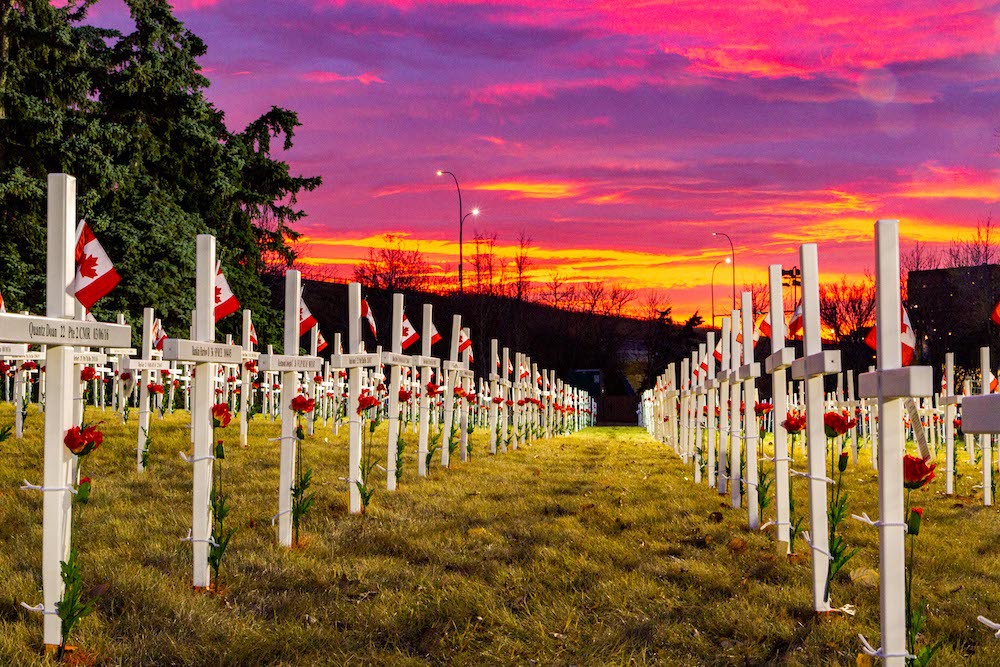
column 592, row 549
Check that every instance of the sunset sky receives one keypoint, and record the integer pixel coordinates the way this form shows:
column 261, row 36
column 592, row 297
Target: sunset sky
column 621, row 135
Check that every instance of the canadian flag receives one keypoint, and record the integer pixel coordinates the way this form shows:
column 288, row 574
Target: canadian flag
column 764, row 328
column 463, row 341
column 253, row 335
column 366, row 312
column 510, row 368
column 993, row 382
column 524, row 372
column 95, row 274
column 3, row 306
column 538, row 380
column 907, row 339
column 408, row 333
column 435, row 336
column 995, row 315
column 306, row 319
column 225, row 300
column 159, row 334
column 795, row 324
column 321, row 343
column 717, row 353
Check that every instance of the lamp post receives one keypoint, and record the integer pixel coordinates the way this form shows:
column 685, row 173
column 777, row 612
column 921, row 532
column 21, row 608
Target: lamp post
column 461, row 223
column 733, row 251
column 712, row 283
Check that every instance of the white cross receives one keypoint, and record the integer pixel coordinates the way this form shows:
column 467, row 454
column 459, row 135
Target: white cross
column 60, row 334
column 890, row 384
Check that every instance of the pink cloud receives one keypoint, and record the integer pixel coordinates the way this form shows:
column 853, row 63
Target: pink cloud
column 319, row 76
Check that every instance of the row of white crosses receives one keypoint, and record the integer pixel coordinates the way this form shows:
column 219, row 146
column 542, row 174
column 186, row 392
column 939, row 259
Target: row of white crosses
column 61, row 334
column 67, row 339
column 890, row 387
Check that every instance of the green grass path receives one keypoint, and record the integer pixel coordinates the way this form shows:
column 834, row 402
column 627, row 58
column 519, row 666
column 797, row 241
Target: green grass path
column 592, row 549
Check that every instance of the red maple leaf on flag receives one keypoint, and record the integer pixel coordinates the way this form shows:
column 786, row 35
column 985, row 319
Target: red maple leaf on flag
column 88, row 266
column 406, row 332
column 218, row 294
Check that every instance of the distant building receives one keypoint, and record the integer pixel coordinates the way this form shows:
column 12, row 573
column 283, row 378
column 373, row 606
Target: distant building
column 950, row 311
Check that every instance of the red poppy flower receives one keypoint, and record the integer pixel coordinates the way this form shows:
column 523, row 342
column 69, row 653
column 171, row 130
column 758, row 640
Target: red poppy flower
column 459, row 392
column 221, row 415
column 302, row 405
column 509, row 402
column 498, row 399
column 916, row 472
column 763, row 408
column 837, row 424
column 87, row 373
column 366, row 401
column 251, row 366
column 29, row 366
column 126, row 376
column 794, row 422
column 317, row 378
column 432, row 390
column 165, row 372
column 405, row 395
column 83, row 441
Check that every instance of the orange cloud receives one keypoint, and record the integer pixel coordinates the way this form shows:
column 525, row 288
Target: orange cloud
column 936, row 181
column 319, row 76
column 533, row 189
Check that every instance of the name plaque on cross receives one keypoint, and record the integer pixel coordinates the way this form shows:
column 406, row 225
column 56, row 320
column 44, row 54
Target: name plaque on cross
column 289, row 362
column 56, row 331
column 177, row 349
column 394, row 359
column 249, row 355
column 355, row 360
column 426, row 362
column 130, row 364
column 121, row 351
column 90, row 358
column 13, row 349
column 454, row 365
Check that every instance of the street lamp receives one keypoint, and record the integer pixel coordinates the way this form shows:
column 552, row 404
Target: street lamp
column 725, row 261
column 733, row 251
column 461, row 223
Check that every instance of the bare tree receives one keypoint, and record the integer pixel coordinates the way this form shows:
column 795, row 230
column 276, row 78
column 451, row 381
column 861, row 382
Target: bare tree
column 848, row 307
column 558, row 293
column 980, row 249
column 394, row 267
column 759, row 297
column 522, row 264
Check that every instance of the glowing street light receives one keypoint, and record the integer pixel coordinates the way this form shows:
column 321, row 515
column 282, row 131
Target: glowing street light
column 461, row 223
column 733, row 251
column 728, row 260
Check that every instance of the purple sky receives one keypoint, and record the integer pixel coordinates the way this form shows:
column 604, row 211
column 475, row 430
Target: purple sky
column 620, row 138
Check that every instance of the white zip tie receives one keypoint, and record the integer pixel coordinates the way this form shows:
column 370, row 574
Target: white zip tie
column 805, row 536
column 880, row 653
column 864, row 518
column 982, row 619
column 28, row 486
column 190, row 538
column 768, row 524
column 776, row 459
column 275, row 517
column 40, row 608
column 796, row 473
column 195, row 459
column 283, row 437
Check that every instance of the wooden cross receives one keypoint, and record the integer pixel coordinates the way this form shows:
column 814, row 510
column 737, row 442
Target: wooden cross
column 60, row 333
column 289, row 365
column 427, row 364
column 397, row 361
column 749, row 371
column 891, row 384
column 205, row 354
column 777, row 362
column 143, row 368
column 810, row 369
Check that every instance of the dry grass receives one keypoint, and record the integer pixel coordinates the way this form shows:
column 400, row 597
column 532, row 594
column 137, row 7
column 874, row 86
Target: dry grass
column 593, row 549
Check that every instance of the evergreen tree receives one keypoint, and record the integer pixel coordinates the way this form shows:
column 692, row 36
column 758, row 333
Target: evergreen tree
column 154, row 161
